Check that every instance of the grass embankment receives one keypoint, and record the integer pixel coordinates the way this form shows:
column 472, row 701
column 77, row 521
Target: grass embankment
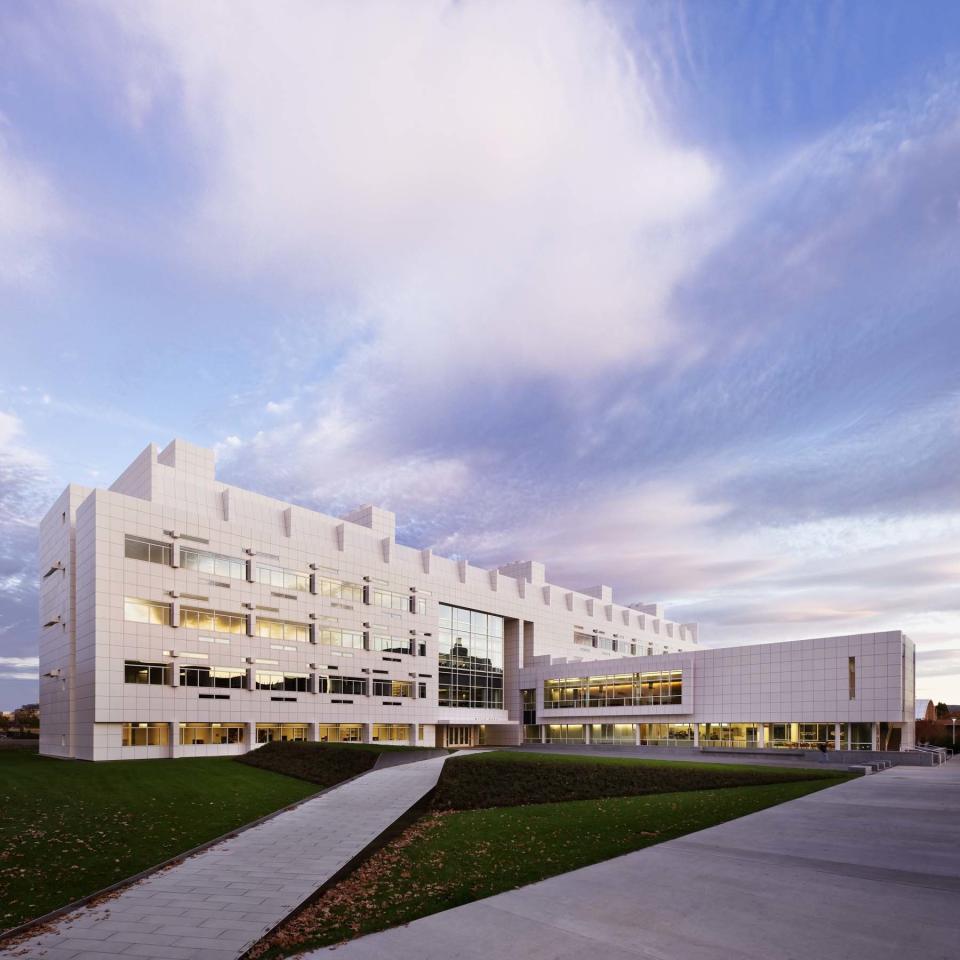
column 506, row 779
column 452, row 857
column 68, row 829
column 323, row 764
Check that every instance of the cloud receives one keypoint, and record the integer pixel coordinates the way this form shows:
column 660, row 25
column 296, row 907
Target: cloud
column 479, row 187
column 31, row 216
column 24, row 495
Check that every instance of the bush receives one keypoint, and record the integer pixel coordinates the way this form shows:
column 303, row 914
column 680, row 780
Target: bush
column 504, row 780
column 324, row 764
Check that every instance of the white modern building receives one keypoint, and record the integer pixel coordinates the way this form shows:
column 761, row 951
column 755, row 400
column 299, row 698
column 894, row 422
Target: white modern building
column 181, row 616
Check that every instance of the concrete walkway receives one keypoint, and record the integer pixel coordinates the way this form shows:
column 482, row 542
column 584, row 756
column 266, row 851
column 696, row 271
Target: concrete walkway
column 868, row 869
column 216, row 904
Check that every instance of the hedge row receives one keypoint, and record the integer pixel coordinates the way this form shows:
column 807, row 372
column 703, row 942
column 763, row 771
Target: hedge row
column 487, row 781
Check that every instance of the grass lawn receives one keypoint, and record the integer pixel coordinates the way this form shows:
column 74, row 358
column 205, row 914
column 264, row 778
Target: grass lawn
column 508, row 778
column 450, row 858
column 68, row 828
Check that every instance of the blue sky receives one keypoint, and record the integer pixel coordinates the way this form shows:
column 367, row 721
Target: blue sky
column 663, row 294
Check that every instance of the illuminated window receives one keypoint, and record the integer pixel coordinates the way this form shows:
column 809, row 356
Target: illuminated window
column 146, row 611
column 352, row 686
column 217, row 621
column 852, row 677
column 281, row 732
column 620, row 690
column 145, row 734
column 198, row 734
column 393, row 732
column 339, row 732
column 282, row 630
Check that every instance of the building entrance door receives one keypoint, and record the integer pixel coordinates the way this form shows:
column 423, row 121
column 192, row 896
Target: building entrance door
column 458, row 736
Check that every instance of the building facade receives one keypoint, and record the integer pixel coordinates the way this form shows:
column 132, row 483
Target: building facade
column 181, row 616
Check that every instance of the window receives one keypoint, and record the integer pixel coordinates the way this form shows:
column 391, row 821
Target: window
column 392, row 688
column 389, row 599
column 391, row 644
column 418, row 604
column 339, row 590
column 282, row 630
column 282, row 578
column 395, row 732
column 422, row 691
column 137, row 548
column 298, row 682
column 281, row 732
column 152, row 673
column 196, row 734
column 145, row 734
column 565, row 733
column 470, row 646
column 621, row 690
column 356, row 686
column 852, row 677
column 339, row 733
column 218, row 621
column 341, row 638
column 224, row 678
column 215, row 564
column 146, row 611
column 529, row 698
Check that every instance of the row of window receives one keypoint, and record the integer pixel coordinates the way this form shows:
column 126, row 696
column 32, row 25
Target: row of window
column 235, row 678
column 138, row 610
column 281, row 578
column 622, row 690
column 200, row 734
column 853, row 736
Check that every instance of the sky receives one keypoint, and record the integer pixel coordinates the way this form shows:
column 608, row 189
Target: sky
column 665, row 295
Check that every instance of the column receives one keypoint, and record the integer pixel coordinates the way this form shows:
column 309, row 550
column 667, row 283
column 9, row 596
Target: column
column 366, row 733
column 836, row 736
column 311, row 731
column 636, row 734
column 251, row 678
column 696, row 736
column 249, row 735
column 586, row 733
column 174, row 738
column 762, row 736
column 412, row 735
column 874, row 736
column 543, row 733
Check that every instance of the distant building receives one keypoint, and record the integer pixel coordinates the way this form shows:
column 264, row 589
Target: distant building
column 184, row 617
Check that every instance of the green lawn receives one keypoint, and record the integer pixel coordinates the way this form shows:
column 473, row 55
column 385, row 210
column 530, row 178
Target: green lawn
column 447, row 859
column 508, row 778
column 69, row 828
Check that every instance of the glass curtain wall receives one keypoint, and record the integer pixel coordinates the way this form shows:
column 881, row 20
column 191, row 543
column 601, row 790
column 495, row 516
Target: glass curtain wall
column 471, row 658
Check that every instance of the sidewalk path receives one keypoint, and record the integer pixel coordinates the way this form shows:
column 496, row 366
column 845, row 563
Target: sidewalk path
column 216, row 904
column 868, row 869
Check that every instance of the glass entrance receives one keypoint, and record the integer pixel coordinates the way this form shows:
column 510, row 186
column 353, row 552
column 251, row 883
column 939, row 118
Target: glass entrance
column 458, row 736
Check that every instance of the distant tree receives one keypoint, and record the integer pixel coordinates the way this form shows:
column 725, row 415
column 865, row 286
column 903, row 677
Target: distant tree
column 942, row 710
column 27, row 717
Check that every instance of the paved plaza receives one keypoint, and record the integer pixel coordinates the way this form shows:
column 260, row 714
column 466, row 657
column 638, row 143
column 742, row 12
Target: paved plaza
column 216, row 904
column 868, row 869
